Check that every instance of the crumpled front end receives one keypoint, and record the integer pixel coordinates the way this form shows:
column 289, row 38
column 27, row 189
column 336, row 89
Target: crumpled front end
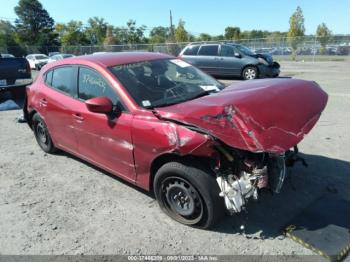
column 254, row 125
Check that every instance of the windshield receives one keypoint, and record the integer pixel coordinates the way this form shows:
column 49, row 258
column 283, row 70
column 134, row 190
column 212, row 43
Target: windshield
column 245, row 50
column 38, row 57
column 164, row 82
column 67, row 55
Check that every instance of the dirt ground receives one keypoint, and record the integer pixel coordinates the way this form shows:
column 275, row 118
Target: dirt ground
column 58, row 204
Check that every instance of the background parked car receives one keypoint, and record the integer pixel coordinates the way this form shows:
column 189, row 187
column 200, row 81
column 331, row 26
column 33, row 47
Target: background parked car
column 7, row 56
column 11, row 69
column 37, row 61
column 53, row 53
column 229, row 59
column 59, row 57
column 14, row 76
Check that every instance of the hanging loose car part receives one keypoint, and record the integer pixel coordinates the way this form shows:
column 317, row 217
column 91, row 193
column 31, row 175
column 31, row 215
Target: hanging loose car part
column 245, row 173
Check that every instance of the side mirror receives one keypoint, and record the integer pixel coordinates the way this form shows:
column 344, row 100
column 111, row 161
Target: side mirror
column 101, row 104
column 238, row 55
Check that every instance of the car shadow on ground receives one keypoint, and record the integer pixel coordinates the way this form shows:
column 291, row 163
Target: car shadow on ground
column 12, row 100
column 267, row 217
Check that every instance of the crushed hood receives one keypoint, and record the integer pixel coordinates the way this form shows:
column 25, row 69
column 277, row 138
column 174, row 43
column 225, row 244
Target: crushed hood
column 269, row 115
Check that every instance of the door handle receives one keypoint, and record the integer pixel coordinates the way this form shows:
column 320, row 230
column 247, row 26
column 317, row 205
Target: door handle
column 78, row 117
column 43, row 102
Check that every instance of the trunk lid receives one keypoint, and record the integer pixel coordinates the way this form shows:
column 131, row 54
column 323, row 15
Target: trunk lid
column 269, row 115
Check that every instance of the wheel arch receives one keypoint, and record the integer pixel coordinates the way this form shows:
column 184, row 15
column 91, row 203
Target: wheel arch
column 29, row 116
column 159, row 161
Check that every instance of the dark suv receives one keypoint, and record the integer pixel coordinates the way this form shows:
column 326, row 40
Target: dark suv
column 229, row 59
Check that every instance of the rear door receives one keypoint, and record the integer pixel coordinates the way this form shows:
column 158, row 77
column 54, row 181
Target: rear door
column 57, row 102
column 103, row 139
column 208, row 59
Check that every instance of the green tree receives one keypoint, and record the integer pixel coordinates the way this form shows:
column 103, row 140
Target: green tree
column 181, row 35
column 135, row 35
column 204, row 37
column 218, row 37
column 34, row 25
column 72, row 33
column 323, row 36
column 8, row 42
column 159, row 34
column 296, row 30
column 96, row 30
column 232, row 33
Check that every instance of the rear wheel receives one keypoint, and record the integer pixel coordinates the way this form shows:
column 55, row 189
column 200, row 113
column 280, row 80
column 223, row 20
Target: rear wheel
column 188, row 194
column 42, row 134
column 250, row 72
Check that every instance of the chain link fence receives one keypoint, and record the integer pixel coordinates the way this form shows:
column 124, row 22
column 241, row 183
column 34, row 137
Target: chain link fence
column 308, row 48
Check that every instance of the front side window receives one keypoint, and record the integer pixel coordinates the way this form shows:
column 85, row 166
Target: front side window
column 208, row 50
column 227, row 51
column 164, row 82
column 91, row 84
column 62, row 79
column 245, row 50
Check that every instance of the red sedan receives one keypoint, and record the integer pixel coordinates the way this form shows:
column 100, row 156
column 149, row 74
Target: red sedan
column 166, row 126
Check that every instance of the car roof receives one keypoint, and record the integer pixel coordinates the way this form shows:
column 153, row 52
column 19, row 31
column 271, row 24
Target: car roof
column 118, row 58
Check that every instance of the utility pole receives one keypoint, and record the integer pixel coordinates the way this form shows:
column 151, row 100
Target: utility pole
column 171, row 25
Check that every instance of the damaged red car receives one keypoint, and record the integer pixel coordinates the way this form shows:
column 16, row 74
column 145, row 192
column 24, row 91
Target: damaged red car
column 164, row 125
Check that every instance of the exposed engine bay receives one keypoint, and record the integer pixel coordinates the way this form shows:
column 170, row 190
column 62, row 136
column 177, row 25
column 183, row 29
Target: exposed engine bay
column 243, row 174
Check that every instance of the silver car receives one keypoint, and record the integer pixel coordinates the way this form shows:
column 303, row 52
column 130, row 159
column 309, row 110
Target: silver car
column 229, row 59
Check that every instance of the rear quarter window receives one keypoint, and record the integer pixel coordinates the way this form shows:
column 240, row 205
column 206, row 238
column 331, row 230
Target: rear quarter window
column 48, row 78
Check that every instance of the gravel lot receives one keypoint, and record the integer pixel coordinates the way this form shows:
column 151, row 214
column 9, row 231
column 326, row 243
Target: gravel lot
column 58, row 204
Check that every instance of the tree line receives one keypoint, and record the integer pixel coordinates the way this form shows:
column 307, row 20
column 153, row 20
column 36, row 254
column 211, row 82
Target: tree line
column 35, row 27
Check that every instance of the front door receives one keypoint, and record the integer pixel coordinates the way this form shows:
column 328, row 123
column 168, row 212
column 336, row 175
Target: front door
column 103, row 139
column 231, row 64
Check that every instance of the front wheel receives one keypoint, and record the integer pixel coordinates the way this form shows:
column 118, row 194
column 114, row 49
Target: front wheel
column 188, row 194
column 250, row 72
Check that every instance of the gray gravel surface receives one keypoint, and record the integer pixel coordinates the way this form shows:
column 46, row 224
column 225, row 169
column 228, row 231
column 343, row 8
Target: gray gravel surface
column 58, row 204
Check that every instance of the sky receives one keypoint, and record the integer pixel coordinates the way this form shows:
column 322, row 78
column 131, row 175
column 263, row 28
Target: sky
column 207, row 16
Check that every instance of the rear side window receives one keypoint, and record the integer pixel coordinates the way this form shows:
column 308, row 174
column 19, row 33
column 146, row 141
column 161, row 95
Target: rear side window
column 48, row 78
column 191, row 50
column 92, row 84
column 209, row 50
column 62, row 79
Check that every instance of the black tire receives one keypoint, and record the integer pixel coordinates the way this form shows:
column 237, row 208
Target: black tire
column 189, row 194
column 42, row 134
column 250, row 73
